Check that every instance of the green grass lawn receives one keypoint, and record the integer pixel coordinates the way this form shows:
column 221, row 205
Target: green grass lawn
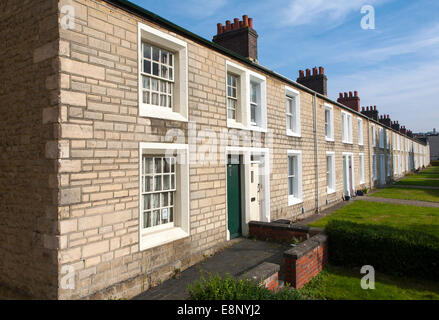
column 431, row 195
column 428, row 177
column 418, row 182
column 337, row 283
column 423, row 219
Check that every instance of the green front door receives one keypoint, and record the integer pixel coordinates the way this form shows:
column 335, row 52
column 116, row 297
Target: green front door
column 234, row 200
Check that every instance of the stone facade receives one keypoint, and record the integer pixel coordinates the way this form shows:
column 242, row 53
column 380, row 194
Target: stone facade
column 75, row 126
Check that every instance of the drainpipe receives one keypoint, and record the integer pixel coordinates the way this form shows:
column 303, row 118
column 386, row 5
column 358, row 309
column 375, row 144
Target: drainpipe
column 368, row 147
column 316, row 153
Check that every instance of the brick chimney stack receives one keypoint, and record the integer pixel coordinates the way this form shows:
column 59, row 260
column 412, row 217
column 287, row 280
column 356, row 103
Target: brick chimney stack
column 371, row 113
column 351, row 101
column 317, row 81
column 395, row 125
column 386, row 120
column 239, row 37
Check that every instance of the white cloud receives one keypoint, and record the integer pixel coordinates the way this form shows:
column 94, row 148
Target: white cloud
column 322, row 12
column 408, row 93
column 425, row 40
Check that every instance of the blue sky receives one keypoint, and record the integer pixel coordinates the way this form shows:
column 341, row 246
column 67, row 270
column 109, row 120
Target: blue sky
column 395, row 66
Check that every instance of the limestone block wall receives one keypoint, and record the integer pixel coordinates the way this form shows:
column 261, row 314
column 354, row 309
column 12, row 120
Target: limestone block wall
column 28, row 148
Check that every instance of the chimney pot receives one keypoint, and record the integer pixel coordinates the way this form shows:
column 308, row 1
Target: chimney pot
column 314, row 71
column 235, row 24
column 374, row 108
column 340, row 95
column 301, row 74
column 350, row 94
column 356, row 94
column 250, row 23
column 321, row 70
column 219, row 28
column 345, row 95
column 367, row 108
column 308, row 72
column 362, row 109
column 228, row 25
column 245, row 20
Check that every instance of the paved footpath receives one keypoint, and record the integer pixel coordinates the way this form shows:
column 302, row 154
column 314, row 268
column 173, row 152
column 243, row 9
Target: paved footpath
column 236, row 260
column 402, row 201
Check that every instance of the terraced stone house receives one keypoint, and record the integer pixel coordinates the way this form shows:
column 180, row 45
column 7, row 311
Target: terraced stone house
column 132, row 148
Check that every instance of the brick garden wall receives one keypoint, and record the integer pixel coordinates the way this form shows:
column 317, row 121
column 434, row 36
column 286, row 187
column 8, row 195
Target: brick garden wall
column 28, row 148
column 305, row 261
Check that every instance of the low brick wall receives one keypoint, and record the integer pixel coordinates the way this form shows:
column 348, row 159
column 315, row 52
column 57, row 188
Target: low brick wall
column 306, row 260
column 280, row 232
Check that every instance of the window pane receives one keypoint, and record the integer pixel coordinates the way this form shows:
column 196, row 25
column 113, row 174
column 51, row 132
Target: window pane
column 254, row 92
column 156, row 200
column 148, row 184
column 158, row 183
column 173, row 181
column 147, row 67
column 164, row 57
column 166, row 182
column 164, row 199
column 253, row 113
column 148, row 166
column 146, row 82
column 290, row 186
column 146, row 51
column 146, row 202
column 147, row 219
column 155, row 53
column 291, row 166
column 156, row 218
column 155, row 84
column 155, row 69
column 155, row 99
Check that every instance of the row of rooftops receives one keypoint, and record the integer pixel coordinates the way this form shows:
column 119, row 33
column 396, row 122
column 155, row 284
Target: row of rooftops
column 345, row 98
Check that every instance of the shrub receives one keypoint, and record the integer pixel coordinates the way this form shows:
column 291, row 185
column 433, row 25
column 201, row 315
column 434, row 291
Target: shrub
column 387, row 249
column 229, row 288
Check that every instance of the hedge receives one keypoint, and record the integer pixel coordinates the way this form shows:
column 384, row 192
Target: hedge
column 229, row 288
column 387, row 249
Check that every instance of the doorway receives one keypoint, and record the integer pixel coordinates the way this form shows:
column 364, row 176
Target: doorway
column 382, row 170
column 234, row 204
column 348, row 175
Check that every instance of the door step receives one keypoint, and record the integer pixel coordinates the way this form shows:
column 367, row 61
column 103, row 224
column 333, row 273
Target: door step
column 266, row 274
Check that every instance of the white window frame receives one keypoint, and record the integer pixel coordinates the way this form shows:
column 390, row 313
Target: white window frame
column 293, row 93
column 330, row 187
column 261, row 125
column 360, row 131
column 292, row 200
column 361, row 165
column 374, row 165
column 162, row 234
column 346, row 127
column 388, row 165
column 386, row 133
column 243, row 109
column 178, row 47
column 374, row 140
column 381, row 137
column 330, row 124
